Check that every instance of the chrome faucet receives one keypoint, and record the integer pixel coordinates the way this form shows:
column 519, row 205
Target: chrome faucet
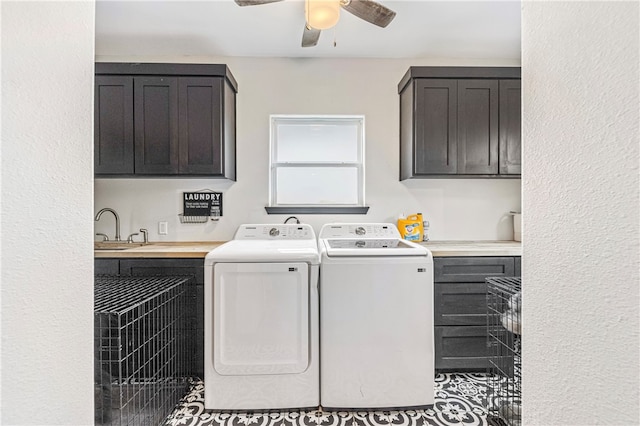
column 292, row 217
column 107, row 209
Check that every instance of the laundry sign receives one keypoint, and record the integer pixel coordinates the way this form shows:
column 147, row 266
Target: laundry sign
column 202, row 204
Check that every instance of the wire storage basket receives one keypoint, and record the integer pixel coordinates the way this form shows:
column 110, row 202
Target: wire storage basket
column 140, row 357
column 197, row 219
column 504, row 307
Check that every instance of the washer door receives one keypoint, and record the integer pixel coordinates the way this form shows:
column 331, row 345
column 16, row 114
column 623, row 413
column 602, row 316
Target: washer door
column 260, row 318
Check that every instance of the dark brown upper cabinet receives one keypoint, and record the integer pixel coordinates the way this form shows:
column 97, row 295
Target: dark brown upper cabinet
column 436, row 148
column 460, row 122
column 155, row 115
column 165, row 120
column 113, row 125
column 477, row 127
column 510, row 127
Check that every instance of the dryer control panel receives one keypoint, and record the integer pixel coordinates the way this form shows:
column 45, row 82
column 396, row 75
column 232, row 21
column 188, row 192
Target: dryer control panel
column 275, row 232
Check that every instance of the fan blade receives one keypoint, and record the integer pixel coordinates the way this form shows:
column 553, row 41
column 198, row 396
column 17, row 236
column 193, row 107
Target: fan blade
column 370, row 11
column 310, row 36
column 254, row 2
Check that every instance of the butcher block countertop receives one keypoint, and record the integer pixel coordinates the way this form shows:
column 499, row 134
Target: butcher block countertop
column 191, row 249
column 198, row 250
column 474, row 248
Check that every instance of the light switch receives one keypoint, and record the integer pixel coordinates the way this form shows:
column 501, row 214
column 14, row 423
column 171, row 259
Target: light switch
column 163, row 228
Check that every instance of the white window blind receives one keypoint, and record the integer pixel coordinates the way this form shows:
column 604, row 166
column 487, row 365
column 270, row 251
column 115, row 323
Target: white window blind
column 317, row 161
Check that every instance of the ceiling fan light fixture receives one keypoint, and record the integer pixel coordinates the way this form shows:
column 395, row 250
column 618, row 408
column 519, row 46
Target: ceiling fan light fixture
column 322, row 14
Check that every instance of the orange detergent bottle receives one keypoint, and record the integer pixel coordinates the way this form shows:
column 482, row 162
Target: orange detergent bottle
column 411, row 228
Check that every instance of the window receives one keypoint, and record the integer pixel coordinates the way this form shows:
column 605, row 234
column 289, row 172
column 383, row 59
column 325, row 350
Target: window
column 317, row 164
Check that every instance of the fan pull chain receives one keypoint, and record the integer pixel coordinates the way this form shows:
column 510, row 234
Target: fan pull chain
column 335, row 37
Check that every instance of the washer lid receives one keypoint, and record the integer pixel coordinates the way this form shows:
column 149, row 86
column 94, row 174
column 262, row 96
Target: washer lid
column 265, row 251
column 372, row 247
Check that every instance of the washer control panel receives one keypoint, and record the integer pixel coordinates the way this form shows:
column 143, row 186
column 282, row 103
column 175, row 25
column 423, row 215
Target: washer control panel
column 275, row 232
column 360, row 230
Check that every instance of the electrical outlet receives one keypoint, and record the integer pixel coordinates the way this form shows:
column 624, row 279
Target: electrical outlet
column 163, row 228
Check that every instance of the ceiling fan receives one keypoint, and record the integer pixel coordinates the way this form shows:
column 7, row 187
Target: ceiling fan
column 323, row 14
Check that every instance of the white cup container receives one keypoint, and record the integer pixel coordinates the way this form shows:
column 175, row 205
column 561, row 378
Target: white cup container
column 517, row 226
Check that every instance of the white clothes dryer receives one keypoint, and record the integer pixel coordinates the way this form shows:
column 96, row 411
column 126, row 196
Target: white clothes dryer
column 261, row 320
column 376, row 318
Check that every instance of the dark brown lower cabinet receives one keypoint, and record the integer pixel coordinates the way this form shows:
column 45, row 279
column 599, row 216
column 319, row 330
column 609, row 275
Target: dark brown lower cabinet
column 106, row 267
column 193, row 335
column 459, row 303
column 460, row 309
column 461, row 348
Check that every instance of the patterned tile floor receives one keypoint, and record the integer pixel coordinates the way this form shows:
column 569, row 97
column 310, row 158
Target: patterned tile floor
column 460, row 399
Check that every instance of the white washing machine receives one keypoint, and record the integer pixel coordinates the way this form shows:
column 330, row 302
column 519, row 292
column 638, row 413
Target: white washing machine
column 261, row 320
column 376, row 318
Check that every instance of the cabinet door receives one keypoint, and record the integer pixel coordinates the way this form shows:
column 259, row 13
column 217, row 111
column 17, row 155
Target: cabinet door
column 510, row 127
column 461, row 348
column 200, row 124
column 229, row 131
column 460, row 304
column 106, row 266
column 478, row 127
column 151, row 267
column 113, row 125
column 156, row 125
column 471, row 269
column 435, row 149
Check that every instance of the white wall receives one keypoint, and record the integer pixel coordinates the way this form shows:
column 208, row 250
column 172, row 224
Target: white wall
column 458, row 209
column 580, row 213
column 47, row 191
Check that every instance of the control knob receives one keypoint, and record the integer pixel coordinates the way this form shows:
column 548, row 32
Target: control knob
column 360, row 230
column 274, row 232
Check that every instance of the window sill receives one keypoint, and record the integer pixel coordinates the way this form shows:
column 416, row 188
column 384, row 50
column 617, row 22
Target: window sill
column 316, row 210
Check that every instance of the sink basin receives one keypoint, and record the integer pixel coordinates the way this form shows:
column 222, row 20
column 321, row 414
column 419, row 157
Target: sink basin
column 115, row 245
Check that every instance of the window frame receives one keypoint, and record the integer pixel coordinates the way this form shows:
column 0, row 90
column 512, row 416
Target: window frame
column 277, row 119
